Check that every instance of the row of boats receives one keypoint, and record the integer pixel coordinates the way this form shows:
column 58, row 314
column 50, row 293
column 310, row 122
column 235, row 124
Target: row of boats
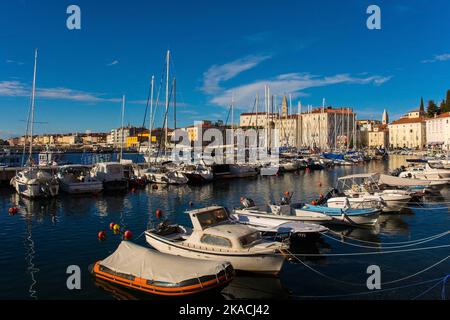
column 249, row 238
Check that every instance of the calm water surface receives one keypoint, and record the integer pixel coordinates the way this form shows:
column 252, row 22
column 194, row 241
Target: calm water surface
column 39, row 243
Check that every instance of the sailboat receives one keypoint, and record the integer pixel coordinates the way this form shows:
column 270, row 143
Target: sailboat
column 34, row 182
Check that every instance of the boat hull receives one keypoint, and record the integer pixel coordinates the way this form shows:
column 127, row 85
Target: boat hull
column 259, row 263
column 82, row 188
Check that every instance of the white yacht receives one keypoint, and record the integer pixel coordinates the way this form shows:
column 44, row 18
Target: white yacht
column 215, row 237
column 163, row 175
column 111, row 174
column 77, row 179
column 198, row 173
column 35, row 183
column 427, row 172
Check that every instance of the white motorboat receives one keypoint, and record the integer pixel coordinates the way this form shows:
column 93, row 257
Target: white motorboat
column 366, row 185
column 301, row 212
column 289, row 165
column 77, row 179
column 294, row 230
column 215, row 237
column 366, row 202
column 197, row 173
column 111, row 174
column 427, row 173
column 162, row 175
column 35, row 183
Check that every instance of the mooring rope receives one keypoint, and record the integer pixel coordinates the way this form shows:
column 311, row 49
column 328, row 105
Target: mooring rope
column 380, row 245
column 367, row 253
column 439, row 280
column 363, row 284
column 388, row 243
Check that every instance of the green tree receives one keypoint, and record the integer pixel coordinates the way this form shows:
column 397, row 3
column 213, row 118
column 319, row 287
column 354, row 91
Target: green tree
column 422, row 108
column 432, row 109
column 442, row 107
column 447, row 102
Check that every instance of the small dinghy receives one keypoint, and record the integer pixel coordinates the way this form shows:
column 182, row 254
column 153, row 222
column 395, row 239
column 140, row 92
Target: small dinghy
column 149, row 271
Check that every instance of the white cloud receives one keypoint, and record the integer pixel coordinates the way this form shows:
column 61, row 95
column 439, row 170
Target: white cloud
column 18, row 89
column 438, row 57
column 14, row 62
column 113, row 63
column 292, row 83
column 217, row 74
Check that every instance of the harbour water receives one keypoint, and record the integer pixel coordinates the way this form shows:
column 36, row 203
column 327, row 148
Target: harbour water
column 46, row 236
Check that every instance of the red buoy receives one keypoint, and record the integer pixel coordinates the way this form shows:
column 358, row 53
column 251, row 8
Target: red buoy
column 158, row 213
column 111, row 225
column 314, row 202
column 13, row 210
column 128, row 235
column 101, row 235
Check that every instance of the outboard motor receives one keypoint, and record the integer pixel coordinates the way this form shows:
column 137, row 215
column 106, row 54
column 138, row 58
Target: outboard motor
column 247, row 202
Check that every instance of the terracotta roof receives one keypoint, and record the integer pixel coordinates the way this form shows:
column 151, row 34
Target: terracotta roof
column 442, row 115
column 408, row 120
column 259, row 114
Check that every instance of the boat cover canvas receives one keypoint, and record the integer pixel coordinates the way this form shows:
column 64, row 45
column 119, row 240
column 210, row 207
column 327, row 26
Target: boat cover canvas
column 333, row 156
column 403, row 182
column 132, row 259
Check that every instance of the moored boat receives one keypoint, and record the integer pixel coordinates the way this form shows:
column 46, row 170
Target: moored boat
column 149, row 271
column 215, row 237
column 77, row 179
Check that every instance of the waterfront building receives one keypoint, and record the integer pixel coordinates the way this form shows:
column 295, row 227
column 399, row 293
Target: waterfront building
column 379, row 137
column 322, row 127
column 364, row 127
column 438, row 131
column 409, row 131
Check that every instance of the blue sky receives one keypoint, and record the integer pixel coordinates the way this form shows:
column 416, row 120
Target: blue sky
column 312, row 49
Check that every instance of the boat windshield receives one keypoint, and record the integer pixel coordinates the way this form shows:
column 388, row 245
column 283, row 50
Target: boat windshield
column 212, row 217
column 250, row 238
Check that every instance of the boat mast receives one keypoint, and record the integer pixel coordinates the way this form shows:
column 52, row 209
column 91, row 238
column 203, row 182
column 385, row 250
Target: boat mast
column 151, row 116
column 121, row 129
column 33, row 95
column 167, row 99
column 232, row 110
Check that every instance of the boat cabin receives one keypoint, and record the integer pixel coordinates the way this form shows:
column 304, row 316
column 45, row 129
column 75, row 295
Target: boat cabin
column 213, row 227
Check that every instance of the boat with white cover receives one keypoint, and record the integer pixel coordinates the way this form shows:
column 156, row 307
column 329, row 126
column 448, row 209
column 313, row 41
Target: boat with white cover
column 214, row 237
column 163, row 175
column 35, row 183
column 149, row 271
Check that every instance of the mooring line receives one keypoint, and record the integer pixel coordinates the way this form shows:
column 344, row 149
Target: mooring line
column 380, row 245
column 388, row 243
column 367, row 253
column 439, row 280
column 363, row 284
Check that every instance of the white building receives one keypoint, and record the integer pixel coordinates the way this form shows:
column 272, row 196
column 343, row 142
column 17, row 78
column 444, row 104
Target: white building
column 408, row 132
column 115, row 137
column 438, row 131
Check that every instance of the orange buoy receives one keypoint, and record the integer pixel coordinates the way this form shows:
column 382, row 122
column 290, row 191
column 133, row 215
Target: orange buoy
column 158, row 213
column 13, row 210
column 101, row 235
column 111, row 225
column 287, row 193
column 128, row 235
column 314, row 202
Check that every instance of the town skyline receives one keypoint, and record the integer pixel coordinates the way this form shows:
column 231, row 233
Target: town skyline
column 82, row 74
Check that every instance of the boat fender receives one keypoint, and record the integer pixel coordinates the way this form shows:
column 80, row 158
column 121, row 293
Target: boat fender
column 101, row 235
column 128, row 235
column 116, row 228
column 13, row 210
